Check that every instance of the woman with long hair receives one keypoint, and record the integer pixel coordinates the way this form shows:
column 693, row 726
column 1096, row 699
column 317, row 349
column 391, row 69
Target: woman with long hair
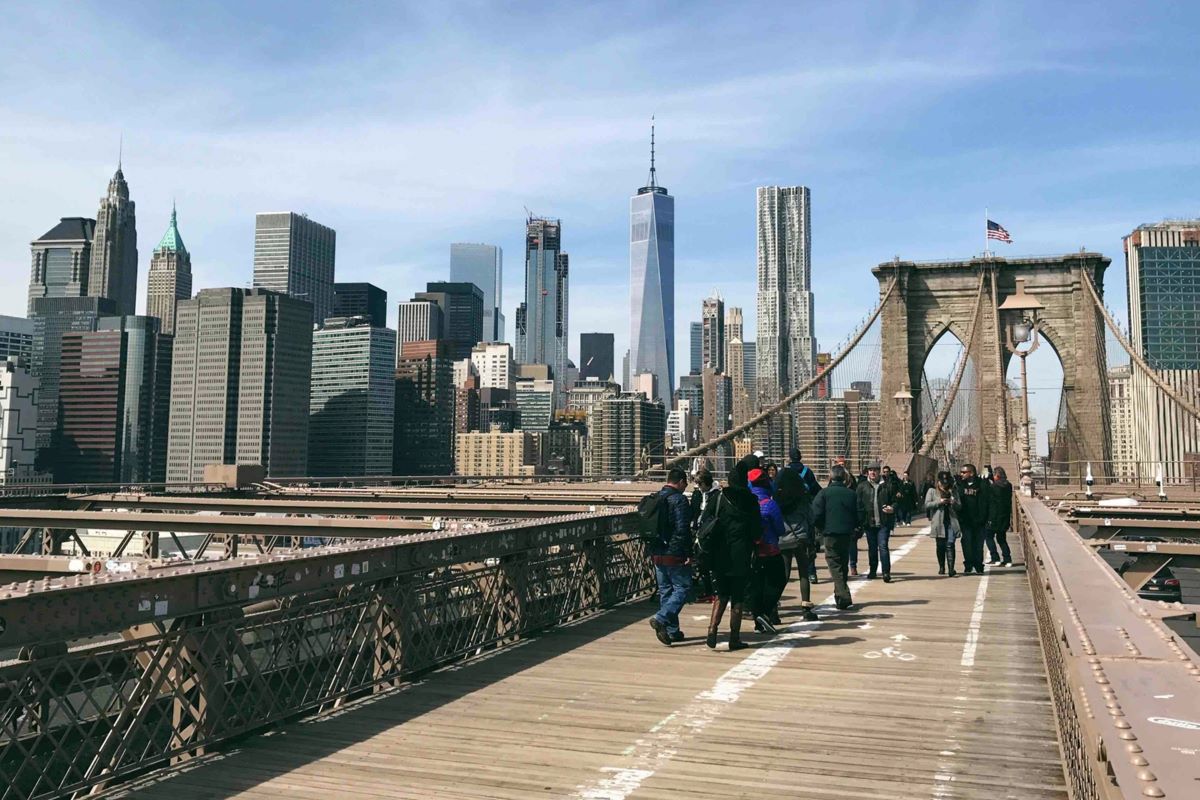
column 942, row 504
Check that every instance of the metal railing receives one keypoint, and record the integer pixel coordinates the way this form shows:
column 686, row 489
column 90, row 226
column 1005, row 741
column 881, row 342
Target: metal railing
column 1137, row 474
column 203, row 653
column 1110, row 663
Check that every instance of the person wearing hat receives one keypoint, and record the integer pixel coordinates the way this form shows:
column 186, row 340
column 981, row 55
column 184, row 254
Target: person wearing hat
column 836, row 515
column 767, row 580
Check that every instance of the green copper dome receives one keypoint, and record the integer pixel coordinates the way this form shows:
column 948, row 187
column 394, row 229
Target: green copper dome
column 171, row 240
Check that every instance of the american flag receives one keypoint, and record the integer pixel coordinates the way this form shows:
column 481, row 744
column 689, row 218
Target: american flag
column 996, row 231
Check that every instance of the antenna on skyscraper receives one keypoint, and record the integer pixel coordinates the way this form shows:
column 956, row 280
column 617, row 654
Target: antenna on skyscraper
column 653, row 184
column 120, row 150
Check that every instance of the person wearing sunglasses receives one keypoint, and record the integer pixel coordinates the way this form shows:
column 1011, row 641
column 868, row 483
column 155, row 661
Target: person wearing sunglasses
column 975, row 494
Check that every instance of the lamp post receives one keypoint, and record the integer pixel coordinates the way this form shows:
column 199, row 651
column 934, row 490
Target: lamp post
column 1020, row 314
column 902, row 405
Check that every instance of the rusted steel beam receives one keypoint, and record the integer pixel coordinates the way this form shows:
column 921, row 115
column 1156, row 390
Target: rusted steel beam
column 51, row 564
column 87, row 605
column 1124, row 685
column 1168, row 548
column 196, row 523
column 334, row 506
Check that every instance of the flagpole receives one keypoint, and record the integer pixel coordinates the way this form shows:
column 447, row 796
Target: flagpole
column 986, row 253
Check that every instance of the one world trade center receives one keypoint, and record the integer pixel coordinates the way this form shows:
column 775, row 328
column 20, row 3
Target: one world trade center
column 652, row 285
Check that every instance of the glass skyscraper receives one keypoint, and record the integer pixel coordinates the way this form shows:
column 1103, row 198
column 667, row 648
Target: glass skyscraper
column 294, row 255
column 652, row 283
column 482, row 265
column 542, row 317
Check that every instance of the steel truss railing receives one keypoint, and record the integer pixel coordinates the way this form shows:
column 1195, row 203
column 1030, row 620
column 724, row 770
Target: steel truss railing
column 1109, row 661
column 302, row 636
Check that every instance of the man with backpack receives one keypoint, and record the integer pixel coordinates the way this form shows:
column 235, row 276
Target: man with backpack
column 795, row 489
column 666, row 528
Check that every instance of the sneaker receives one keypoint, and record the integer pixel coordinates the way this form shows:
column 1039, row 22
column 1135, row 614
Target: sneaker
column 813, row 579
column 847, row 607
column 1007, row 564
column 677, row 636
column 854, row 572
column 711, row 640
column 774, row 618
column 887, row 578
column 809, row 615
column 951, row 573
column 660, row 631
column 737, row 644
column 870, row 576
column 763, row 625
column 993, row 562
column 941, row 570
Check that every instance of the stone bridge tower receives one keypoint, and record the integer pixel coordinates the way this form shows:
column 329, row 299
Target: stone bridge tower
column 933, row 297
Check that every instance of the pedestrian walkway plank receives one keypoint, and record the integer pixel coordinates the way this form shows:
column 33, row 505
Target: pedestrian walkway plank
column 876, row 703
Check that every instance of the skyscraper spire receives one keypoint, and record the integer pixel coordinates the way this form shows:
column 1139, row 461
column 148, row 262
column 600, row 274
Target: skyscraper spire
column 120, row 150
column 653, row 184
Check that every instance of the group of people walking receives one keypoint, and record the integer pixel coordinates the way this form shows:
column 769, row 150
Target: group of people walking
column 738, row 543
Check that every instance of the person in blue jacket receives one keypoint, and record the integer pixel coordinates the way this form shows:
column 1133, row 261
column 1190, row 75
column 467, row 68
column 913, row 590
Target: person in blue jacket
column 672, row 558
column 768, row 578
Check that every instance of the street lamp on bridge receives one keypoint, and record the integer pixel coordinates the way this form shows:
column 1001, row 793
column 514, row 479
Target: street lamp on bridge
column 1020, row 313
column 902, row 404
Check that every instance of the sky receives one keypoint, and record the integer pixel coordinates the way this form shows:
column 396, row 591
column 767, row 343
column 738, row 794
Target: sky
column 410, row 126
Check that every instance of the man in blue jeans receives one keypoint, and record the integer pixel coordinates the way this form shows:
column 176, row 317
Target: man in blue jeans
column 876, row 500
column 671, row 554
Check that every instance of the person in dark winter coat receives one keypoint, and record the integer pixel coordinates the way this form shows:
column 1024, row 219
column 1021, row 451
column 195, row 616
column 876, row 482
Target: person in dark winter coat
column 907, row 501
column 942, row 505
column 795, row 489
column 767, row 580
column 877, row 498
column 703, row 506
column 976, row 506
column 671, row 555
column 1000, row 518
column 739, row 526
column 836, row 517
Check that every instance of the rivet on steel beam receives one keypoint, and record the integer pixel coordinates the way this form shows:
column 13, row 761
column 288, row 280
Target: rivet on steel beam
column 1128, row 736
column 1139, row 761
column 1122, row 724
column 1146, row 775
column 1133, row 747
column 1153, row 791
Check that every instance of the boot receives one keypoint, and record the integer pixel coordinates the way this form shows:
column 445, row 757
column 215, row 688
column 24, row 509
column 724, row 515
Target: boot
column 735, row 627
column 950, row 562
column 808, row 613
column 714, row 622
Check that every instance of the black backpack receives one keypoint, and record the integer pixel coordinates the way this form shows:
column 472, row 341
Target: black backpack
column 710, row 536
column 649, row 511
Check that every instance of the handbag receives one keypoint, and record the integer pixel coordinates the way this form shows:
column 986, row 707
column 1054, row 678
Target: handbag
column 792, row 537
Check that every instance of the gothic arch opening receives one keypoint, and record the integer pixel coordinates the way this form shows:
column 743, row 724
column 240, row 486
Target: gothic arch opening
column 1048, row 413
column 959, row 442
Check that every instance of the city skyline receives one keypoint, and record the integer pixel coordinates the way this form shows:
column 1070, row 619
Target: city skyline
column 929, row 130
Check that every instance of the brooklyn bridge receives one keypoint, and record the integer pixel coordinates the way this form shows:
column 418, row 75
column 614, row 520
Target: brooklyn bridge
column 421, row 637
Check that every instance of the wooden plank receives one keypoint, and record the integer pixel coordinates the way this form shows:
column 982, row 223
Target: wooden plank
column 838, row 716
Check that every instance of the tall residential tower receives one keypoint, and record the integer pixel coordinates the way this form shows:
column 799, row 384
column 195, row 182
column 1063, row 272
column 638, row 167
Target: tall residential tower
column 542, row 317
column 652, row 282
column 786, row 347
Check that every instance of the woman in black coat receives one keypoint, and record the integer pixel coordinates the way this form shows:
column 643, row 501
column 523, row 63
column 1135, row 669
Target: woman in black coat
column 739, row 526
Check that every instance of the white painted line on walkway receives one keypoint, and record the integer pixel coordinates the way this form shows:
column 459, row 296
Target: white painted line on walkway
column 968, row 656
column 651, row 752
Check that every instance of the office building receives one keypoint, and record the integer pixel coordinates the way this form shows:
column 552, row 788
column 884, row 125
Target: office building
column 18, row 424
column 786, row 347
column 462, row 314
column 596, row 356
column 542, row 318
column 652, row 282
column 482, row 265
column 712, row 320
column 360, row 300
column 864, row 388
column 535, row 400
column 52, row 318
column 418, row 321
column 425, row 393
column 628, row 435
column 734, row 328
column 1121, row 418
column 695, row 347
column 741, row 406
column 113, row 270
column 240, row 381
column 61, row 259
column 496, row 454
column 584, row 394
column 1162, row 262
column 16, row 339
column 466, row 405
column 691, row 389
column 352, row 410
column 114, row 403
column 750, row 369
column 170, row 278
column 625, row 378
column 717, row 404
column 846, row 426
column 493, row 362
column 294, row 255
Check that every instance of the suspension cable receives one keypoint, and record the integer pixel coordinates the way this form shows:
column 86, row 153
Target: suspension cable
column 767, row 413
column 932, row 437
column 1136, row 357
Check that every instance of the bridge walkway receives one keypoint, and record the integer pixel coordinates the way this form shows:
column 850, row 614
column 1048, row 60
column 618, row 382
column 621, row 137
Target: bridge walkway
column 933, row 688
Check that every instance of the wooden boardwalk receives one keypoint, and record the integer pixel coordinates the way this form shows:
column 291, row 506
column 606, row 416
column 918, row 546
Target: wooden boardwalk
column 934, row 688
